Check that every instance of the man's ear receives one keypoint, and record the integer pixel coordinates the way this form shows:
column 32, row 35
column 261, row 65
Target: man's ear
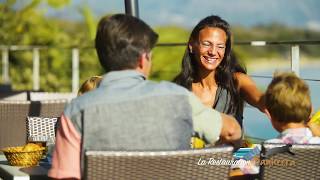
column 142, row 61
column 310, row 116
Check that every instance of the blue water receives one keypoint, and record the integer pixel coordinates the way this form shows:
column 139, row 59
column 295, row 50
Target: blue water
column 256, row 124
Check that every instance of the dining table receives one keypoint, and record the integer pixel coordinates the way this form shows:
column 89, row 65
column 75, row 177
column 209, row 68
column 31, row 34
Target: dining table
column 23, row 173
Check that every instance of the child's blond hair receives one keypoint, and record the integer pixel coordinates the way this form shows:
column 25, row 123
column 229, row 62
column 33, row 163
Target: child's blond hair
column 90, row 84
column 288, row 98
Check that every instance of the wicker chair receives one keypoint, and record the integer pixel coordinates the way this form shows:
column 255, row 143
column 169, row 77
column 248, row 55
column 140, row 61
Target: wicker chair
column 41, row 96
column 13, row 116
column 49, row 108
column 157, row 165
column 42, row 129
column 13, row 122
column 14, row 96
column 298, row 161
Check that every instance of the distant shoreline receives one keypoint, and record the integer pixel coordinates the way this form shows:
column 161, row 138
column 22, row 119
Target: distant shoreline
column 263, row 64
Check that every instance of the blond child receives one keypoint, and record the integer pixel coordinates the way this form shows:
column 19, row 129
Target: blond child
column 289, row 104
column 90, row 84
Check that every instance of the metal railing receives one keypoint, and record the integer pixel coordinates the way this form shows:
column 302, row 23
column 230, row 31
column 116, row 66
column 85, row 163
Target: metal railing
column 75, row 51
column 36, row 63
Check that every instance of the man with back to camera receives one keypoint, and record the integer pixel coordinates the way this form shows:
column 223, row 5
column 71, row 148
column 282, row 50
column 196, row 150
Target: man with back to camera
column 127, row 112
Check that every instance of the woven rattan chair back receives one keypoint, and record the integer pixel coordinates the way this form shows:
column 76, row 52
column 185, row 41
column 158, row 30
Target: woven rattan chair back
column 41, row 129
column 189, row 164
column 299, row 161
column 13, row 114
column 42, row 96
column 13, row 122
column 48, row 108
column 14, row 96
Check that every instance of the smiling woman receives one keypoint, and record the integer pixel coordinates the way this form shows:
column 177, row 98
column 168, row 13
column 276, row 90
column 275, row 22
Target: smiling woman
column 212, row 72
column 209, row 49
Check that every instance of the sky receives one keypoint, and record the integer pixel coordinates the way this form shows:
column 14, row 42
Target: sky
column 186, row 13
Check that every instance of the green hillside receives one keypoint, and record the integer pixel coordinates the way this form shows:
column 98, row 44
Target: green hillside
column 167, row 60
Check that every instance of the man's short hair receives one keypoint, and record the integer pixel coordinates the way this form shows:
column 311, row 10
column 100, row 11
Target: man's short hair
column 288, row 98
column 121, row 39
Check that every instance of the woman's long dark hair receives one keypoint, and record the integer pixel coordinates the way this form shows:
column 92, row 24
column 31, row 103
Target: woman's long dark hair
column 224, row 74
